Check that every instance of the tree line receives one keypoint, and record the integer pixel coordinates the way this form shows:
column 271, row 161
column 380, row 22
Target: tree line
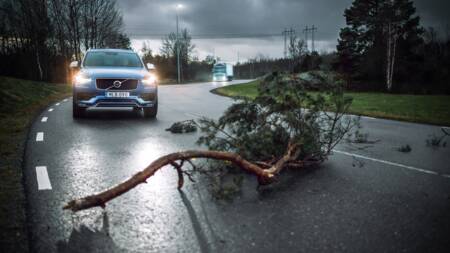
column 38, row 38
column 383, row 47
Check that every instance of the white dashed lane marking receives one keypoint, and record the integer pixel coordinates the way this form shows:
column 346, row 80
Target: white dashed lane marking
column 40, row 136
column 50, row 110
column 44, row 119
column 392, row 164
column 366, row 117
column 65, row 100
column 57, row 104
column 42, row 178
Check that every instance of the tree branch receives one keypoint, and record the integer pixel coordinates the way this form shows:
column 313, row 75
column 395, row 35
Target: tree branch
column 291, row 154
column 100, row 199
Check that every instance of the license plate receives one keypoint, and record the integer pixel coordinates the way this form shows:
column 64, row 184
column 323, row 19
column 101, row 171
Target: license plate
column 117, row 94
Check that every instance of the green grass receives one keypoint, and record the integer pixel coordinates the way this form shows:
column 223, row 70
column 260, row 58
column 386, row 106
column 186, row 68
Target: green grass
column 20, row 102
column 430, row 109
column 248, row 90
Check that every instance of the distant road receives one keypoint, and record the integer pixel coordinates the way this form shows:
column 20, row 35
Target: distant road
column 374, row 199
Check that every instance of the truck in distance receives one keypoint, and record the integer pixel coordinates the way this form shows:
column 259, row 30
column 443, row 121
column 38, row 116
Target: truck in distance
column 222, row 71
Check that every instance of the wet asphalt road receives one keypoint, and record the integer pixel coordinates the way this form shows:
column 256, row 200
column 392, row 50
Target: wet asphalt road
column 380, row 201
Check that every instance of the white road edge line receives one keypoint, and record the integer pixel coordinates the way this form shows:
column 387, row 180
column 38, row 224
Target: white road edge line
column 44, row 119
column 50, row 110
column 42, row 178
column 193, row 115
column 40, row 136
column 392, row 163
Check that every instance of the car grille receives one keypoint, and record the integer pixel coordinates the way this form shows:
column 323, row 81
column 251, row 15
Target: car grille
column 129, row 84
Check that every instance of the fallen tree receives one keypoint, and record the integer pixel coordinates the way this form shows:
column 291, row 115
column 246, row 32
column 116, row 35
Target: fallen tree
column 261, row 136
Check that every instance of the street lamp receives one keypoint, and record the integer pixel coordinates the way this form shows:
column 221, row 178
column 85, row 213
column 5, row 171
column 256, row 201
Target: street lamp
column 179, row 7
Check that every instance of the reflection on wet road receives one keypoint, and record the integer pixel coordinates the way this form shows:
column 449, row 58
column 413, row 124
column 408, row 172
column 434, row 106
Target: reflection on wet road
column 335, row 208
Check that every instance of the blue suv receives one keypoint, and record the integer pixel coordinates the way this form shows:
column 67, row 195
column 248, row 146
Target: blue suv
column 114, row 78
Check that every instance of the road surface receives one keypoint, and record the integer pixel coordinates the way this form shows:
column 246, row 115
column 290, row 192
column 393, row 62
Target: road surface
column 374, row 199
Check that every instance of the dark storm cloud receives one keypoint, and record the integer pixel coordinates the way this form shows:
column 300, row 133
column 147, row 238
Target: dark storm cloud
column 240, row 17
column 149, row 20
column 243, row 17
column 434, row 12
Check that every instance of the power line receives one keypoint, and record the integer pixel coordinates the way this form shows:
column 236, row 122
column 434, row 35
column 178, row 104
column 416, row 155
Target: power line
column 208, row 36
column 285, row 34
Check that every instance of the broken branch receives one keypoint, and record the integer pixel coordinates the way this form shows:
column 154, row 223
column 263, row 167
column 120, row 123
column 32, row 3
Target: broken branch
column 102, row 198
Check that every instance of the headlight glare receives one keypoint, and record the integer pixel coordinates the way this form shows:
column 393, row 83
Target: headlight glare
column 82, row 79
column 149, row 80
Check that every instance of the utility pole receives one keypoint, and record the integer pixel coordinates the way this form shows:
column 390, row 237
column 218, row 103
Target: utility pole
column 313, row 29
column 306, row 31
column 286, row 33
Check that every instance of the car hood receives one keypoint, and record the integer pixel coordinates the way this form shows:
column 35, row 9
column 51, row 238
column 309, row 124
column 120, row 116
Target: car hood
column 119, row 73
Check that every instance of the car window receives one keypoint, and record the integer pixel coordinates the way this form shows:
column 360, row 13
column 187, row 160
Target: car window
column 112, row 59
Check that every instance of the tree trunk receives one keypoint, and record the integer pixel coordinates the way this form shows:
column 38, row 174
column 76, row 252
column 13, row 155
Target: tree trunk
column 391, row 54
column 394, row 45
column 389, row 59
column 38, row 62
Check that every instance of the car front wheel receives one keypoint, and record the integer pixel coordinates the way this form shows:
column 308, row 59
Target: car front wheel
column 77, row 112
column 152, row 111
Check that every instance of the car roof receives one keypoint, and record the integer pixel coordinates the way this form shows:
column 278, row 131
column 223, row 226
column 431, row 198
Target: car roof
column 111, row 50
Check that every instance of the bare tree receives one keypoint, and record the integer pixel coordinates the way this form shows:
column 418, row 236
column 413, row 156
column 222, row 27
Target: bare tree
column 297, row 51
column 34, row 26
column 101, row 23
column 170, row 44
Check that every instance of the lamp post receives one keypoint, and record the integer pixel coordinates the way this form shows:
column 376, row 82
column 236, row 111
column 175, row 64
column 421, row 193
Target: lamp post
column 179, row 6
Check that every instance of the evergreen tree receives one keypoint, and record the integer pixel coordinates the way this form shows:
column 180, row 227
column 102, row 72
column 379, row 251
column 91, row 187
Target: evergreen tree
column 379, row 34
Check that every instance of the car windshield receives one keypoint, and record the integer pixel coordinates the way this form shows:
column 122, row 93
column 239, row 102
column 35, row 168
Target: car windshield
column 112, row 59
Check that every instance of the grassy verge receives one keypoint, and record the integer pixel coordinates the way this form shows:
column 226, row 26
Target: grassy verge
column 430, row 109
column 20, row 102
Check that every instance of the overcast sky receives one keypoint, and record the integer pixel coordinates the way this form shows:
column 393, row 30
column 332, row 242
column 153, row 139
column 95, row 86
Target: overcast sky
column 212, row 20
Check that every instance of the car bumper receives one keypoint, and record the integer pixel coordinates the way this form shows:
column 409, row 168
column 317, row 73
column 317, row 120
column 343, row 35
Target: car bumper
column 102, row 101
column 138, row 99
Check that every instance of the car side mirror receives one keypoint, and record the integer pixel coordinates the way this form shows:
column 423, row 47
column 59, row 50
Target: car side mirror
column 74, row 65
column 150, row 66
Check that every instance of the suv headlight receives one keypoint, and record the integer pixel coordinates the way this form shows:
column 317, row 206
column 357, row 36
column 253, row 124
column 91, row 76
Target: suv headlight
column 81, row 79
column 149, row 80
